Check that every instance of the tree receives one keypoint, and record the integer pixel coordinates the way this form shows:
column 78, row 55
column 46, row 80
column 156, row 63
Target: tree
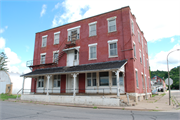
column 3, row 62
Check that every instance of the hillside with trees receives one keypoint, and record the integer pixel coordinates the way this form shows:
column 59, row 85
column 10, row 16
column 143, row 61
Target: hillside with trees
column 174, row 75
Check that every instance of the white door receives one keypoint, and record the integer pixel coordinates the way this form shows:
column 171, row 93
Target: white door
column 70, row 58
column 70, row 84
column 2, row 87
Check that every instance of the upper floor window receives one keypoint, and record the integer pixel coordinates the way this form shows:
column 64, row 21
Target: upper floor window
column 92, row 51
column 142, row 82
column 43, row 58
column 134, row 47
column 140, row 56
column 55, row 56
column 57, row 80
column 144, row 60
column 74, row 33
column 56, row 37
column 142, row 42
column 111, row 24
column 113, row 48
column 41, row 81
column 139, row 37
column 91, row 79
column 92, row 29
column 132, row 26
column 44, row 40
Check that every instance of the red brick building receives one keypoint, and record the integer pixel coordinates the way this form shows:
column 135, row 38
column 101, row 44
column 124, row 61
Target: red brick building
column 104, row 53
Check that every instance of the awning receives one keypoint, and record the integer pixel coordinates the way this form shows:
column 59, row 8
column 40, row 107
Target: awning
column 93, row 67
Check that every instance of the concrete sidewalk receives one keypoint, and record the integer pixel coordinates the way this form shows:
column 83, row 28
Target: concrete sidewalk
column 157, row 103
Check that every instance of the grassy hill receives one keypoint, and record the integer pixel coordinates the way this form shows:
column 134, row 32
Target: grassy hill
column 174, row 75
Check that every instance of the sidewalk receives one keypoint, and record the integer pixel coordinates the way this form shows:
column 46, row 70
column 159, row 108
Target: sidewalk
column 157, row 103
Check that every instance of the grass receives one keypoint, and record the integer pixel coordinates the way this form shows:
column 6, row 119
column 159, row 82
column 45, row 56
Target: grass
column 155, row 101
column 154, row 110
column 153, row 95
column 7, row 96
column 163, row 94
column 94, row 107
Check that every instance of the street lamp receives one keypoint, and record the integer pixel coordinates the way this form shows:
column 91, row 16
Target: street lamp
column 168, row 76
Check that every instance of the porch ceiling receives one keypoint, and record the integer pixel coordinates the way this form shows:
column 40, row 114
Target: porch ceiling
column 93, row 67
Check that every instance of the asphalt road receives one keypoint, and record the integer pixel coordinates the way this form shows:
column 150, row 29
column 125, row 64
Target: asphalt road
column 28, row 111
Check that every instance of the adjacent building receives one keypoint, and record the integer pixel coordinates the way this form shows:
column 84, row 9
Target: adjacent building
column 106, row 53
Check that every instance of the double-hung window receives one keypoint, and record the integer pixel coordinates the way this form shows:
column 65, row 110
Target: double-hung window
column 56, row 37
column 137, row 83
column 134, row 47
column 91, row 79
column 104, row 78
column 55, row 56
column 132, row 26
column 140, row 56
column 92, row 51
column 41, row 81
column 111, row 24
column 74, row 33
column 92, row 29
column 43, row 58
column 44, row 40
column 57, row 80
column 113, row 48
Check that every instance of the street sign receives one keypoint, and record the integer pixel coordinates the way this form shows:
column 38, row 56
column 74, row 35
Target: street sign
column 171, row 81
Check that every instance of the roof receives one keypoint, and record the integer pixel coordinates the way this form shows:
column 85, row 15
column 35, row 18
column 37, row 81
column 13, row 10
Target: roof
column 87, row 18
column 103, row 66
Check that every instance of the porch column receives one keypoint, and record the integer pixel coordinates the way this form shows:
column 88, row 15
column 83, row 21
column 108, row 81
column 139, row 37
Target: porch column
column 23, row 85
column 74, row 86
column 117, row 80
column 48, row 77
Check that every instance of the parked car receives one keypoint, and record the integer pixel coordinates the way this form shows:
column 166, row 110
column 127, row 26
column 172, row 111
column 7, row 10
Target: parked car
column 155, row 92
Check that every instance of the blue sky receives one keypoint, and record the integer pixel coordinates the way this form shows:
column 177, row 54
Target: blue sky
column 20, row 20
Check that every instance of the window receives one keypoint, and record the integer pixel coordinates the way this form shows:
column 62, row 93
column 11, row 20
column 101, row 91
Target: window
column 74, row 33
column 91, row 79
column 57, row 80
column 75, row 54
column 142, row 81
column 56, row 37
column 92, row 51
column 132, row 26
column 44, row 41
column 134, row 47
column 139, row 37
column 113, row 48
column 43, row 58
column 55, row 56
column 41, row 81
column 92, row 29
column 111, row 24
column 144, row 60
column 140, row 56
column 104, row 78
column 114, row 81
column 136, row 71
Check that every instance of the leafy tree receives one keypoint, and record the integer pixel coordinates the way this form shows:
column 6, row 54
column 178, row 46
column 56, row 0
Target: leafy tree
column 3, row 61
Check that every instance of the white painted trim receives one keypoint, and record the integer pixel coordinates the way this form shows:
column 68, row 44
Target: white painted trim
column 57, row 32
column 55, row 51
column 112, row 41
column 139, row 50
column 92, row 44
column 134, row 43
column 92, row 23
column 73, row 28
column 43, row 54
column 44, row 36
column 142, row 73
column 136, row 69
column 145, row 75
column 71, row 48
column 111, row 18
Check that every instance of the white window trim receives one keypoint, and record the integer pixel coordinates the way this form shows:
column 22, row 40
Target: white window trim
column 43, row 54
column 92, row 23
column 111, row 18
column 132, row 26
column 91, row 45
column 46, row 40
column 134, row 44
column 44, row 36
column 57, row 51
column 91, row 79
column 57, row 32
column 57, row 82
column 137, row 78
column 109, row 42
column 142, row 73
column 136, row 69
column 59, row 36
column 73, row 28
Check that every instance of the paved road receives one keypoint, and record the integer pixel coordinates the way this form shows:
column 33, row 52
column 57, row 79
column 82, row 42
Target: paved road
column 28, row 111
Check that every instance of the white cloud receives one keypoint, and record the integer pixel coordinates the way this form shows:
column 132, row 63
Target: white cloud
column 23, row 64
column 6, row 27
column 57, row 6
column 152, row 21
column 172, row 39
column 12, row 56
column 159, row 62
column 1, row 31
column 43, row 10
column 2, row 42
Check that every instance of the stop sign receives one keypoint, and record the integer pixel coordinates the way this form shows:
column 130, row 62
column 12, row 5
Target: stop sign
column 171, row 81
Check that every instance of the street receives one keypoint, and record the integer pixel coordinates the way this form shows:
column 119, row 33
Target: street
column 28, row 111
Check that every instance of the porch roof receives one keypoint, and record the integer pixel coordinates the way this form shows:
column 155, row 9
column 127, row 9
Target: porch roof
column 93, row 67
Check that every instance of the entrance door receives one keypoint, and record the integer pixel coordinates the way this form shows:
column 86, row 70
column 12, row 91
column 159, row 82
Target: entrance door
column 70, row 84
column 70, row 58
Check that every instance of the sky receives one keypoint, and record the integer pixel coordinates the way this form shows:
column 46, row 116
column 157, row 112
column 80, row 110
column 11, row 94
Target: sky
column 21, row 19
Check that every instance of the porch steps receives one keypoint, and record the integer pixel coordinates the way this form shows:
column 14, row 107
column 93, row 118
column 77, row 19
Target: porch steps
column 123, row 99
